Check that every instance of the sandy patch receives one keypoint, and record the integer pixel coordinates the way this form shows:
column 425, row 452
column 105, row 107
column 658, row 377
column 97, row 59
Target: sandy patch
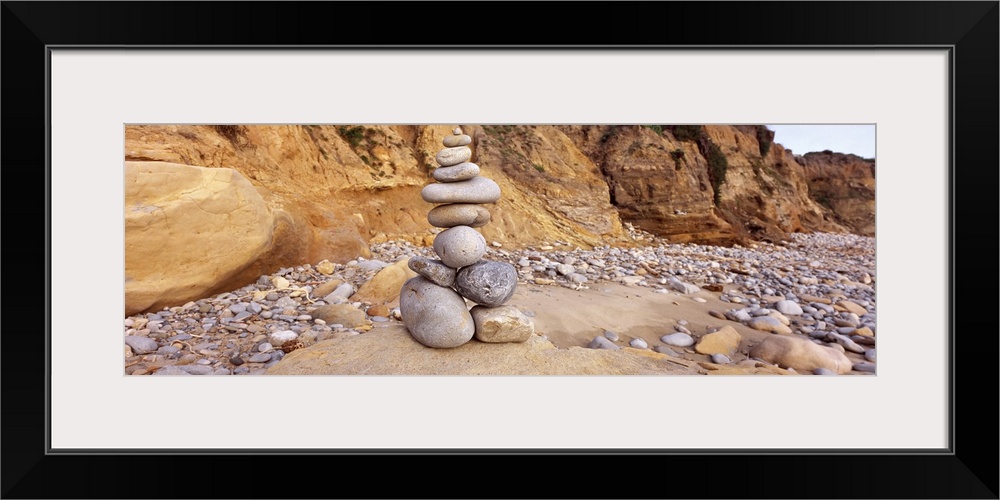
column 572, row 318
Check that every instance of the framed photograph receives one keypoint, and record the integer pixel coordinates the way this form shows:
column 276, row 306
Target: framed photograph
column 923, row 74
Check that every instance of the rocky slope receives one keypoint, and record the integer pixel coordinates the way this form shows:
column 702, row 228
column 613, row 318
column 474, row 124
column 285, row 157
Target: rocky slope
column 328, row 192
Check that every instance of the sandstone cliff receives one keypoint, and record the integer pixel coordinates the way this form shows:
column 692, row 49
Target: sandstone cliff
column 327, row 191
column 845, row 184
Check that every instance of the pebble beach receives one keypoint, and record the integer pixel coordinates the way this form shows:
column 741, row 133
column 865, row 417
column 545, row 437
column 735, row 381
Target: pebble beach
column 819, row 287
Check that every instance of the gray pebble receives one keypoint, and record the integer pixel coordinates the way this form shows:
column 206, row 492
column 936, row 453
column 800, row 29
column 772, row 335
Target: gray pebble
column 285, row 302
column 677, row 339
column 610, row 335
column 141, row 345
column 847, row 343
column 870, row 354
column 434, row 270
column 864, row 366
column 788, row 307
column 197, row 369
column 261, row 357
column 638, row 343
column 601, row 342
column 738, row 315
column 662, row 349
column 170, row 370
column 823, row 371
column 343, row 291
column 241, row 370
column 680, row 286
column 266, row 346
column 236, row 360
column 167, row 350
column 372, row 265
column 721, row 359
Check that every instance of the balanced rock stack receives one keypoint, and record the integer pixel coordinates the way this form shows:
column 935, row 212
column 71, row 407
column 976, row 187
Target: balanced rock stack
column 433, row 304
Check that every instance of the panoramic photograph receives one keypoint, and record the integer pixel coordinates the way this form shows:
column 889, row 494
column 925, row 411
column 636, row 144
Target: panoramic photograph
column 500, row 249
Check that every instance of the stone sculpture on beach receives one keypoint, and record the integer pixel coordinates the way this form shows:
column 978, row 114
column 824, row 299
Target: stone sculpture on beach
column 433, row 304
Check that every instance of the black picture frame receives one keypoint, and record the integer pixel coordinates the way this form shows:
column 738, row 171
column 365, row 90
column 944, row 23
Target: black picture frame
column 970, row 29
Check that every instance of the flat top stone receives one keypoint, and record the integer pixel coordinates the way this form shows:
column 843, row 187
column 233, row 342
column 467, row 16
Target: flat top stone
column 474, row 190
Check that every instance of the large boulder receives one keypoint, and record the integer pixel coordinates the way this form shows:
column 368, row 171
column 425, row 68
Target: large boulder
column 192, row 231
column 801, row 354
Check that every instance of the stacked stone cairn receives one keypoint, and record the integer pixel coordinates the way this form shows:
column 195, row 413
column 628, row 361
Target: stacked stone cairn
column 433, row 304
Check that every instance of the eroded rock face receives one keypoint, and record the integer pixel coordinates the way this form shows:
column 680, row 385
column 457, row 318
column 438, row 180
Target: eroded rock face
column 652, row 175
column 191, row 232
column 845, row 184
column 663, row 184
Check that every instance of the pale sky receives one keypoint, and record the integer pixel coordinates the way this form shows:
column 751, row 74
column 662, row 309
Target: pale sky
column 802, row 139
